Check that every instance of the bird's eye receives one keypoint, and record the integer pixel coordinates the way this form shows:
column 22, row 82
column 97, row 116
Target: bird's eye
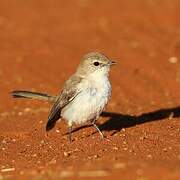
column 96, row 63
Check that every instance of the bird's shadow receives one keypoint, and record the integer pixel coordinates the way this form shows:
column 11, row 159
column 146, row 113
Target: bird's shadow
column 118, row 121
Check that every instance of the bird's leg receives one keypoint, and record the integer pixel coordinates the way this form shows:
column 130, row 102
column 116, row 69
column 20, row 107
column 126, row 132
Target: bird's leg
column 100, row 133
column 69, row 133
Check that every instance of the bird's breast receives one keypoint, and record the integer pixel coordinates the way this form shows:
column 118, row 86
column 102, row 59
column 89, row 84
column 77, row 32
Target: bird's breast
column 89, row 103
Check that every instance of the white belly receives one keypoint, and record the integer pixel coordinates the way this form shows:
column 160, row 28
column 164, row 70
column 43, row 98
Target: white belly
column 89, row 103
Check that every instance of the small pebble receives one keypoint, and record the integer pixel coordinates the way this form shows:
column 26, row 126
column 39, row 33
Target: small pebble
column 149, row 156
column 173, row 59
column 21, row 172
column 66, row 154
column 42, row 142
column 20, row 113
column 27, row 109
column 96, row 156
column 4, row 141
column 142, row 138
column 8, row 169
column 34, row 155
column 115, row 148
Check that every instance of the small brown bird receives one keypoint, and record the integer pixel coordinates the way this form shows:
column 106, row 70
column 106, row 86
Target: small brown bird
column 84, row 95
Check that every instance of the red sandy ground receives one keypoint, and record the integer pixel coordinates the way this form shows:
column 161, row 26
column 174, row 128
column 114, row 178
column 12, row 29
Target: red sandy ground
column 41, row 43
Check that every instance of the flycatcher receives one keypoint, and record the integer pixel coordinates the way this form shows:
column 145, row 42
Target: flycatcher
column 83, row 96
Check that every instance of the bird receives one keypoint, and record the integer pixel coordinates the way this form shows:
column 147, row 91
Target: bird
column 83, row 96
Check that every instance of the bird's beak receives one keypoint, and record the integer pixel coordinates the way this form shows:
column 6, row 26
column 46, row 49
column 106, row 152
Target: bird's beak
column 112, row 63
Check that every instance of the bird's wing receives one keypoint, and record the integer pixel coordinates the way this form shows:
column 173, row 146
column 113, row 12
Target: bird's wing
column 69, row 92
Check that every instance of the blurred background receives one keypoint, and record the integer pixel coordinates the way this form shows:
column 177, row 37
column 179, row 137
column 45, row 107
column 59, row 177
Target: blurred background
column 41, row 44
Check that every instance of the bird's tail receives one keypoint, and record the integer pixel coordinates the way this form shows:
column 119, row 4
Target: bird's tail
column 33, row 95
